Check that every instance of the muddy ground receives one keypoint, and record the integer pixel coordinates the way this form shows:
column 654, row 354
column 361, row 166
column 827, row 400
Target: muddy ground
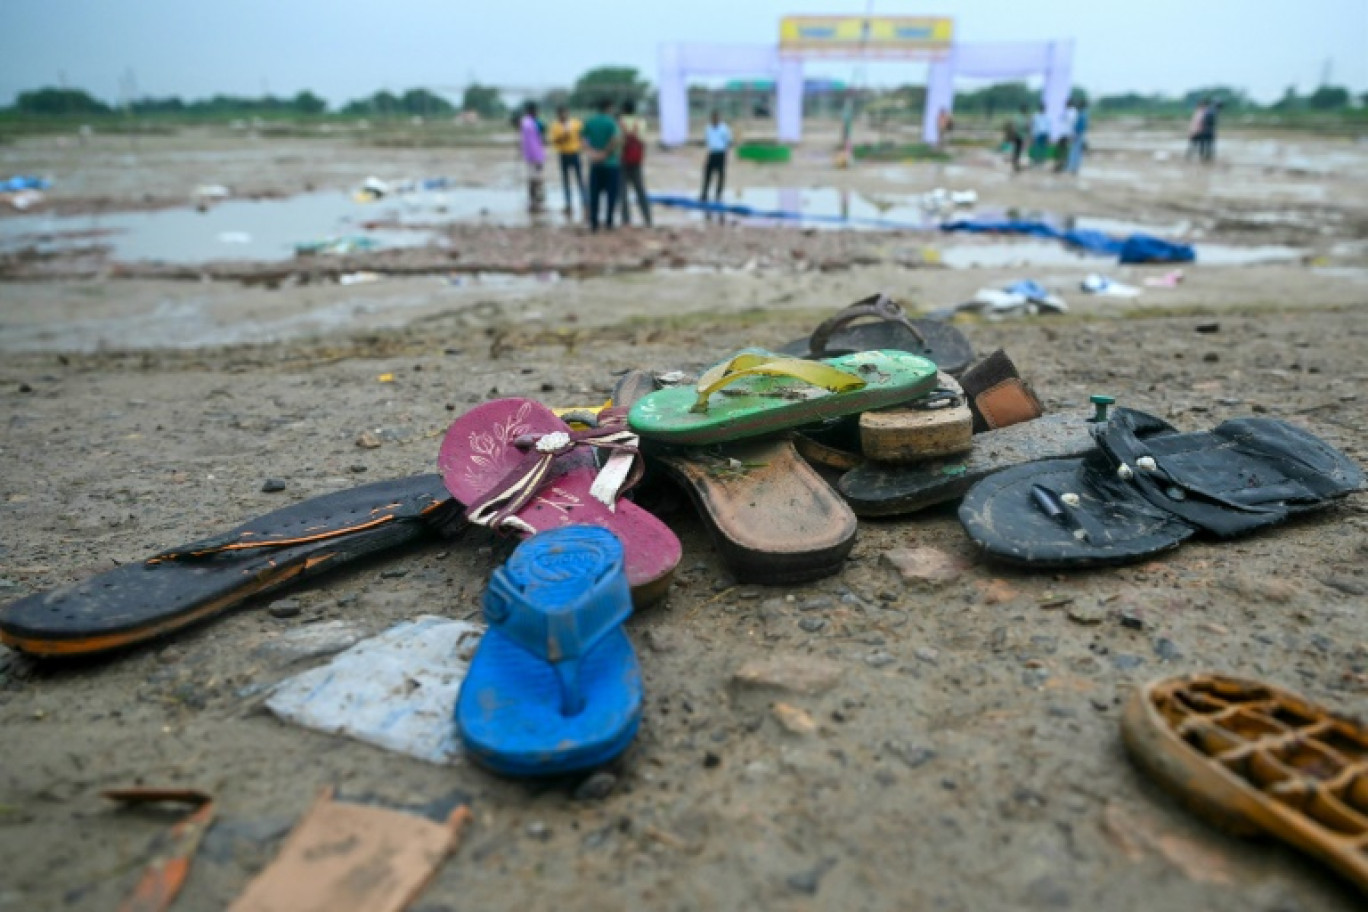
column 967, row 758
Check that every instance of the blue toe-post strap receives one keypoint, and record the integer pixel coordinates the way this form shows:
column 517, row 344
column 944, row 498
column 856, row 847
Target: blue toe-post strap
column 563, row 633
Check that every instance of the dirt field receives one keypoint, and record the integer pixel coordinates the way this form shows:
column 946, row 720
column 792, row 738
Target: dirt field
column 968, row 758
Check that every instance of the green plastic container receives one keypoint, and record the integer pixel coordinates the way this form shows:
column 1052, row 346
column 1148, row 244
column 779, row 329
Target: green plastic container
column 769, row 153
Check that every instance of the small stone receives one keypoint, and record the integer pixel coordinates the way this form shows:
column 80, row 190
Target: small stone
column 711, row 760
column 998, row 592
column 25, row 388
column 794, row 720
column 1166, row 650
column 930, row 566
column 1211, row 627
column 272, row 485
column 1088, row 612
column 914, row 755
column 879, row 659
column 658, row 640
column 284, row 608
column 1125, row 662
column 538, row 830
column 1211, row 357
column 801, row 674
column 927, row 654
column 368, row 440
column 596, row 787
column 1131, row 618
column 357, row 468
column 808, row 882
column 1208, row 328
column 812, row 625
column 1347, row 585
column 393, row 573
column 819, row 603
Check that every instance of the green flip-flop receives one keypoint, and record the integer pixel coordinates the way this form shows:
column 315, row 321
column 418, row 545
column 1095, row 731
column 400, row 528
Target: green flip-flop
column 758, row 392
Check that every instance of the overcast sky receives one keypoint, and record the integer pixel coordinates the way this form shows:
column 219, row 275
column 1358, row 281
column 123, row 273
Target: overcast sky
column 344, row 49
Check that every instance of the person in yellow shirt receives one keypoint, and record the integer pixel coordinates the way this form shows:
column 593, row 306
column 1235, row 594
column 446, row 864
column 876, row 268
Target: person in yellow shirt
column 565, row 139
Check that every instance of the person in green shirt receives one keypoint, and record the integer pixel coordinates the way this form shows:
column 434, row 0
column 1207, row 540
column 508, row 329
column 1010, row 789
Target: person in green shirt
column 603, row 141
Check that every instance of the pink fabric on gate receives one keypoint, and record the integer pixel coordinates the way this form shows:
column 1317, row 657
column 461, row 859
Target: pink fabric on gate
column 478, row 454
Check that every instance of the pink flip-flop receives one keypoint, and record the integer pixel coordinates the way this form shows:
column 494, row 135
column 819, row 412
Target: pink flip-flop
column 518, row 468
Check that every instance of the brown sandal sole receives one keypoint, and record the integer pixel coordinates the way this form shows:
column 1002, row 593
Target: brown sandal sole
column 1255, row 759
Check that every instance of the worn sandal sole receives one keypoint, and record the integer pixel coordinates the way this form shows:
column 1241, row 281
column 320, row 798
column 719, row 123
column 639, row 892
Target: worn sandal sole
column 878, row 489
column 773, row 519
column 190, row 584
column 1255, row 759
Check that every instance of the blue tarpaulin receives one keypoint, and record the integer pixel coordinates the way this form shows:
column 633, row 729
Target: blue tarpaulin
column 21, row 182
column 1138, row 248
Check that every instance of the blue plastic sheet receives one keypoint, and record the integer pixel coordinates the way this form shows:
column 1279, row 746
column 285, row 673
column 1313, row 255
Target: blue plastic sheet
column 1137, row 248
column 21, row 182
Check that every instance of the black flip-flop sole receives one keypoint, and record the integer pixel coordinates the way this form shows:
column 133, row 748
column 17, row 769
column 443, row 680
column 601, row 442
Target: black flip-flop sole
column 150, row 598
column 1001, row 515
column 1144, row 491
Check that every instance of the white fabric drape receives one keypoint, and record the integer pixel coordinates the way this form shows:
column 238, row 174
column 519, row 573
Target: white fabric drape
column 680, row 61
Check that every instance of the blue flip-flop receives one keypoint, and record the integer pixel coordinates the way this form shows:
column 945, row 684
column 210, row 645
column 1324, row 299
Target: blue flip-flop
column 554, row 686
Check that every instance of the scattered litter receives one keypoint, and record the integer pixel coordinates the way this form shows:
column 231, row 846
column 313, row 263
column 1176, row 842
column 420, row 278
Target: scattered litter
column 345, row 857
column 385, row 378
column 23, row 182
column 234, row 237
column 170, row 865
column 337, row 246
column 358, row 278
column 23, row 200
column 1021, row 298
column 371, row 189
column 1108, row 288
column 395, row 690
column 206, row 192
column 1167, row 280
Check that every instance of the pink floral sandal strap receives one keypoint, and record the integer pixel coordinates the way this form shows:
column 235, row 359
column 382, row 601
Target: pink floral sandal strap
column 622, row 471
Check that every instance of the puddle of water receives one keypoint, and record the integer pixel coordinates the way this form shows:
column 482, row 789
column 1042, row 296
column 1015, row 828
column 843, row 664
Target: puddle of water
column 261, row 229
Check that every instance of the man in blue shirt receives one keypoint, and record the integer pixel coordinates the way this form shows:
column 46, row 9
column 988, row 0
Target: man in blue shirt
column 719, row 140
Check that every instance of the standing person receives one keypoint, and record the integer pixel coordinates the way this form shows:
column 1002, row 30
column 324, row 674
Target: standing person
column 1213, row 111
column 565, row 139
column 1018, row 130
column 1040, row 135
column 1080, row 137
column 604, row 139
column 719, row 140
column 534, row 157
column 633, row 158
column 945, row 124
column 1195, row 127
column 1067, row 121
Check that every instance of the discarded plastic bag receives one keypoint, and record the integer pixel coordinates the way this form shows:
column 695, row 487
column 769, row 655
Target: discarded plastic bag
column 396, row 690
